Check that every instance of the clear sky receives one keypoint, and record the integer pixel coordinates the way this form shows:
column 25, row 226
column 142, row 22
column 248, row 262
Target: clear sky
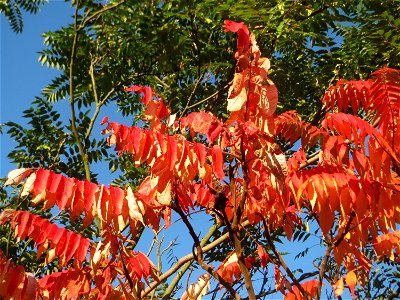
column 22, row 75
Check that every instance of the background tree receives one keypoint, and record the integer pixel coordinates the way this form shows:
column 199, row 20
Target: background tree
column 12, row 11
column 181, row 50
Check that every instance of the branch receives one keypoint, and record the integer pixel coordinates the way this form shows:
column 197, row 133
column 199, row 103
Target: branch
column 311, row 160
column 100, row 103
column 233, row 229
column 273, row 291
column 322, row 269
column 198, row 254
column 186, row 266
column 281, row 261
column 209, row 97
column 346, row 230
column 316, row 12
column 187, row 258
column 99, row 12
column 196, row 85
column 72, row 100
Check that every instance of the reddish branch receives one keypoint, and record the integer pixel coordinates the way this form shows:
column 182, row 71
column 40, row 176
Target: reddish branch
column 281, row 261
column 198, row 254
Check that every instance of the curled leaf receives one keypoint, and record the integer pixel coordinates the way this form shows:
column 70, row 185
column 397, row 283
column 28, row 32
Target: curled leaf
column 17, row 175
column 196, row 290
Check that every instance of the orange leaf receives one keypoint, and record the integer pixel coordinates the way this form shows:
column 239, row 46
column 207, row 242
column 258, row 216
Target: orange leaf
column 264, row 257
column 338, row 287
column 310, row 287
column 351, row 281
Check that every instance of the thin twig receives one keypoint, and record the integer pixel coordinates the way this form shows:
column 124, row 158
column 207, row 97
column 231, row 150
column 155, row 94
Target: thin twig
column 185, row 267
column 322, row 269
column 209, row 97
column 99, row 12
column 281, row 260
column 196, row 85
column 184, row 259
column 198, row 254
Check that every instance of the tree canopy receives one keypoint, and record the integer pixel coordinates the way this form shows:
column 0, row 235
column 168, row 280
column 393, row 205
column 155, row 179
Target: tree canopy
column 182, row 52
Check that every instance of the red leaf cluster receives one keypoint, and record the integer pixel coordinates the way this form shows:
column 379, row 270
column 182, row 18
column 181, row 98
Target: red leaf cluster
column 388, row 245
column 68, row 284
column 379, row 96
column 112, row 205
column 15, row 283
column 291, row 128
column 238, row 172
column 61, row 242
column 229, row 269
column 252, row 96
column 310, row 287
column 172, row 159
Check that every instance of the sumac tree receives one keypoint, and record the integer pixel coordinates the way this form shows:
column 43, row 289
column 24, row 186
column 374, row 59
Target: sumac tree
column 259, row 176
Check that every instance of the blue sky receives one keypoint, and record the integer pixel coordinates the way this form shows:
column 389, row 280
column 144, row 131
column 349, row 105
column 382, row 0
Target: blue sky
column 22, row 76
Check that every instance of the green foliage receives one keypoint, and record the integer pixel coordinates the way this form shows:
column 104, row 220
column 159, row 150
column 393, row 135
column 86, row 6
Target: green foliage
column 12, row 10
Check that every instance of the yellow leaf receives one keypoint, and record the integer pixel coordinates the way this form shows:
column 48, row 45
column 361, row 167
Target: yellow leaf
column 351, row 281
column 338, row 287
column 236, row 103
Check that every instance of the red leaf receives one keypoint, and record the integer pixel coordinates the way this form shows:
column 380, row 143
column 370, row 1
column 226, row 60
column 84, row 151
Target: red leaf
column 214, row 130
column 89, row 196
column 22, row 220
column 229, row 268
column 172, row 152
column 198, row 121
column 40, row 184
column 30, row 287
column 145, row 90
column 218, row 162
column 201, row 153
column 105, row 120
column 15, row 283
column 66, row 243
column 134, row 88
column 235, row 103
column 117, row 196
column 311, row 287
column 242, row 31
column 68, row 284
column 6, row 215
column 16, row 277
column 67, row 194
column 55, row 182
column 82, row 250
column 264, row 257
